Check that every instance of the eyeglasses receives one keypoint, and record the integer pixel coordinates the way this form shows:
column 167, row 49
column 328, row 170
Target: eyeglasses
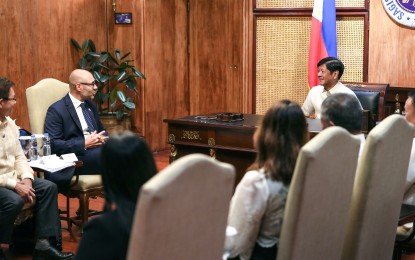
column 93, row 83
column 8, row 99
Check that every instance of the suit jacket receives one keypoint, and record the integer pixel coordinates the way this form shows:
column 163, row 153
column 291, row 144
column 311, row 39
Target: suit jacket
column 66, row 135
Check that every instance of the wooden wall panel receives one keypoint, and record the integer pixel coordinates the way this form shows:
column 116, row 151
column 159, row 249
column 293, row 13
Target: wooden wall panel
column 129, row 38
column 390, row 49
column 215, row 63
column 166, row 90
column 35, row 41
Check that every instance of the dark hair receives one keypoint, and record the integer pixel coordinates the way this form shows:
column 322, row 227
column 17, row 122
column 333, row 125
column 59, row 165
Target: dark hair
column 5, row 85
column 343, row 110
column 332, row 65
column 411, row 94
column 282, row 133
column 126, row 164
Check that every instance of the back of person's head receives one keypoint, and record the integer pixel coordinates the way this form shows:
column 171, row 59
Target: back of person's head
column 341, row 109
column 332, row 64
column 5, row 85
column 411, row 94
column 126, row 164
column 278, row 140
column 410, row 107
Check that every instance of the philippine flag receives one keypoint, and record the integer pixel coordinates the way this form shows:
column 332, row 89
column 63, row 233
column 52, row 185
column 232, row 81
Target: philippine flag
column 323, row 41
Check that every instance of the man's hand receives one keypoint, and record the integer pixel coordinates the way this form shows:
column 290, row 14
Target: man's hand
column 95, row 139
column 25, row 190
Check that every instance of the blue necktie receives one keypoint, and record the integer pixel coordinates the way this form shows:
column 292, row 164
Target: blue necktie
column 88, row 118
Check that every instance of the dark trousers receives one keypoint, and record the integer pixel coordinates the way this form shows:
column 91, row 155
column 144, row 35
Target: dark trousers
column 91, row 166
column 262, row 253
column 47, row 223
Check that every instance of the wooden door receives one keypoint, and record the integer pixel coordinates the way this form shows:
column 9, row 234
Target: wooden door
column 215, row 55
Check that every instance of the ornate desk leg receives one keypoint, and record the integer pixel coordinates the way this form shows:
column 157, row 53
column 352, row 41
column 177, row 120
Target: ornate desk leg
column 212, row 151
column 173, row 149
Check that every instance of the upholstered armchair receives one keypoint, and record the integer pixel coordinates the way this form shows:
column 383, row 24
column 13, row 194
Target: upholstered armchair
column 319, row 197
column 182, row 211
column 378, row 191
column 372, row 99
column 39, row 98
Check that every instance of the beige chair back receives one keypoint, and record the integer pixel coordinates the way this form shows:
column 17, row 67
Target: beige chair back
column 319, row 197
column 182, row 211
column 40, row 97
column 378, row 191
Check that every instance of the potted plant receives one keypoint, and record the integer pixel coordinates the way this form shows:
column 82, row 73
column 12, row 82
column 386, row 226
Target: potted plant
column 115, row 73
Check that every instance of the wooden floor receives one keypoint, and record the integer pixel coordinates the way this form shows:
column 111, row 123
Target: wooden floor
column 69, row 245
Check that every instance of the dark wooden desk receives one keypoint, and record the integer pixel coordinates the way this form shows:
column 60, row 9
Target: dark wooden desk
column 229, row 142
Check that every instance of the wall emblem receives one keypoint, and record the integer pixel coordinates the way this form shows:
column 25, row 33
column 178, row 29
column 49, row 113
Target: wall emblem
column 402, row 11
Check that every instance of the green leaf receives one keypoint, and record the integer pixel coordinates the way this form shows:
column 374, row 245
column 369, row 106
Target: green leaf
column 138, row 73
column 117, row 54
column 103, row 58
column 83, row 63
column 104, row 78
column 112, row 105
column 121, row 75
column 121, row 96
column 113, row 95
column 85, row 46
column 120, row 113
column 75, row 44
column 91, row 45
column 92, row 54
column 97, row 75
column 131, row 83
column 123, row 66
column 130, row 105
column 112, row 60
column 125, row 55
column 102, row 66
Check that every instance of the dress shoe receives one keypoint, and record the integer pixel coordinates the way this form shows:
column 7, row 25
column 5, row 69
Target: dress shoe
column 51, row 253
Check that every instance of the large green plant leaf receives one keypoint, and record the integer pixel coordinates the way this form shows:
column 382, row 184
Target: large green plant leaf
column 138, row 73
column 130, row 105
column 83, row 63
column 125, row 56
column 120, row 113
column 131, row 83
column 103, row 58
column 91, row 45
column 118, row 54
column 121, row 96
column 121, row 75
column 76, row 44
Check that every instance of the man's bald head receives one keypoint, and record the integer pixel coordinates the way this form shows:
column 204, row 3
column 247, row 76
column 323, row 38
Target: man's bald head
column 80, row 75
column 82, row 85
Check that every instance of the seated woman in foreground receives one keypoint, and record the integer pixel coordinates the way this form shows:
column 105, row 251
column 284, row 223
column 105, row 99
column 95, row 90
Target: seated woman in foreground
column 126, row 164
column 257, row 207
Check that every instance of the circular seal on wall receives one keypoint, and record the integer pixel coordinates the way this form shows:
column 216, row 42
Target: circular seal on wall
column 402, row 11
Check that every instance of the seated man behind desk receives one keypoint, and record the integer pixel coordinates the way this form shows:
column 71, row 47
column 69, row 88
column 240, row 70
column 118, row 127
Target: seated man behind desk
column 329, row 73
column 342, row 109
column 74, row 126
column 19, row 186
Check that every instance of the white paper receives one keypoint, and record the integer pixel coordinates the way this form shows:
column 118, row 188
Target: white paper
column 51, row 163
column 69, row 157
